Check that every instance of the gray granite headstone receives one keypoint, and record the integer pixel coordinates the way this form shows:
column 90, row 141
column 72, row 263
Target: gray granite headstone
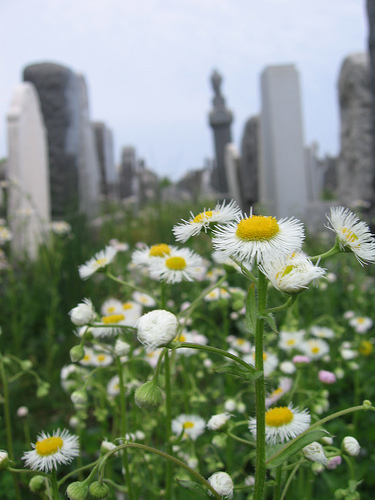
column 29, row 195
column 232, row 168
column 220, row 119
column 371, row 46
column 104, row 145
column 354, row 170
column 249, row 163
column 127, row 172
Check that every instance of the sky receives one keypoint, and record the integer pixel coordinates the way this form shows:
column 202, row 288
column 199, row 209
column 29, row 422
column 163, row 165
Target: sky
column 147, row 64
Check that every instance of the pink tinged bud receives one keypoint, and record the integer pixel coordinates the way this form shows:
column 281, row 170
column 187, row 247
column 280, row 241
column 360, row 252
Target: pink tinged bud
column 334, row 462
column 300, row 358
column 327, row 377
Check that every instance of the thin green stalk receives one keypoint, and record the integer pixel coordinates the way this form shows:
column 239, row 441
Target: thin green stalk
column 290, row 478
column 168, row 406
column 277, row 488
column 200, row 297
column 123, row 426
column 333, row 251
column 8, row 422
column 260, row 396
column 129, row 285
column 55, row 488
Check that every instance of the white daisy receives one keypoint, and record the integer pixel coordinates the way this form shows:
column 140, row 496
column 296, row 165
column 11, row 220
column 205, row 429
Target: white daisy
column 102, row 359
column 5, row 235
column 352, row 234
column 283, row 423
column 291, row 274
column 217, row 294
column 100, row 261
column 221, row 214
column 179, row 265
column 290, row 340
column 113, row 386
column 88, row 359
column 83, row 313
column 314, row 348
column 112, row 325
column 111, row 306
column 144, row 256
column 361, row 323
column 192, row 337
column 191, row 426
column 270, row 361
column 285, row 384
column 133, row 308
column 143, row 299
column 256, row 237
column 51, row 451
column 322, row 332
column 239, row 344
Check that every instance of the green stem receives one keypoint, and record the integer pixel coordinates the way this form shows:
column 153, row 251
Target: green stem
column 333, row 251
column 168, row 405
column 55, row 488
column 290, row 478
column 129, row 285
column 123, row 427
column 163, row 455
column 8, row 422
column 200, row 297
column 240, row 440
column 287, row 304
column 349, row 463
column 260, row 397
column 277, row 488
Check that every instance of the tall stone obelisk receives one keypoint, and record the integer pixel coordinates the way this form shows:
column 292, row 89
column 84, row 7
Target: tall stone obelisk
column 220, row 120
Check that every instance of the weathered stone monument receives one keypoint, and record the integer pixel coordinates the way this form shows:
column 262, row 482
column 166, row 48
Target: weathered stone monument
column 72, row 156
column 355, row 172
column 29, row 195
column 108, row 173
column 128, row 172
column 249, row 164
column 371, row 47
column 282, row 179
column 232, row 170
column 220, row 119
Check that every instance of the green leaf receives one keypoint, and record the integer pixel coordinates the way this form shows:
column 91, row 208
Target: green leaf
column 251, row 309
column 276, row 455
column 248, row 373
column 190, row 485
column 271, row 321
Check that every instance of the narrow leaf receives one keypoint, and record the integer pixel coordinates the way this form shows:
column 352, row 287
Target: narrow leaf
column 271, row 321
column 249, row 373
column 190, row 485
column 251, row 309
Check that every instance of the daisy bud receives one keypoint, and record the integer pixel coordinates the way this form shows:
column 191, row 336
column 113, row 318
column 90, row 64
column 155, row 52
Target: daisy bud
column 99, row 490
column 83, row 314
column 42, row 390
column 78, row 490
column 77, row 353
column 79, row 397
column 22, row 412
column 4, row 460
column 350, row 446
column 327, row 440
column 317, row 468
column 327, row 377
column 334, row 462
column 107, row 446
column 366, row 404
column 157, row 328
column 148, row 395
column 222, row 483
column 218, row 422
column 26, row 365
column 37, row 484
column 121, row 348
column 315, row 453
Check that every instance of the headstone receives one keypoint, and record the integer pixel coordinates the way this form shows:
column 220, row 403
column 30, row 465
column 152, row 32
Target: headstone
column 355, row 171
column 282, row 179
column 220, row 119
column 72, row 164
column 104, row 146
column 232, row 170
column 29, row 196
column 249, row 163
column 128, row 172
column 371, row 46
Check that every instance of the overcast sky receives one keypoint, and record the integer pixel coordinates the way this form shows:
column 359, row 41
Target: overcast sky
column 147, row 64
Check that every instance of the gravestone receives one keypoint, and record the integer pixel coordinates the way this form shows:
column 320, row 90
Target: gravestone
column 29, row 195
column 232, row 168
column 220, row 119
column 371, row 47
column 249, row 164
column 104, row 146
column 355, row 172
column 128, row 172
column 72, row 163
column 282, row 176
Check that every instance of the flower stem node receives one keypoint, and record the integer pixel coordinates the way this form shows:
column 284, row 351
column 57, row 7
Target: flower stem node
column 148, row 395
column 366, row 404
column 4, row 460
column 77, row 353
column 99, row 490
column 37, row 484
column 78, row 490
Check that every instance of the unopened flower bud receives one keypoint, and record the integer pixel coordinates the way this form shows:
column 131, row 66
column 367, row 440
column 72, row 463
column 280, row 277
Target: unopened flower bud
column 22, row 412
column 37, row 484
column 42, row 390
column 121, row 348
column 218, row 422
column 4, row 460
column 79, row 397
column 83, row 314
column 77, row 353
column 148, row 395
column 222, row 483
column 99, row 490
column 78, row 490
column 26, row 365
column 315, row 453
column 366, row 403
column 350, row 446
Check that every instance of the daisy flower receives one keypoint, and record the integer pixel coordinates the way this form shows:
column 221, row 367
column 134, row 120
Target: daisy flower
column 352, row 234
column 102, row 359
column 113, row 386
column 283, row 423
column 217, row 294
column 179, row 265
column 112, row 325
column 191, row 426
column 98, row 262
column 111, row 306
column 322, row 332
column 285, row 384
column 314, row 348
column 290, row 340
column 192, row 337
column 239, row 344
column 88, row 359
column 144, row 256
column 270, row 361
column 143, row 299
column 221, row 214
column 256, row 237
column 50, row 451
column 291, row 274
column 361, row 323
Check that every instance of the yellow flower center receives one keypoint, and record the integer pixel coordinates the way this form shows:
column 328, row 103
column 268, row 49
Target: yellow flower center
column 284, row 272
column 315, row 350
column 113, row 318
column 159, row 250
column 101, row 357
column 257, row 228
column 203, row 216
column 181, row 338
column 277, row 391
column 111, row 309
column 365, row 348
column 291, row 342
column 176, row 263
column 278, row 416
column 240, row 341
column 127, row 305
column 86, row 357
column 49, row 445
column 101, row 262
column 349, row 235
column 360, row 320
column 188, row 425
